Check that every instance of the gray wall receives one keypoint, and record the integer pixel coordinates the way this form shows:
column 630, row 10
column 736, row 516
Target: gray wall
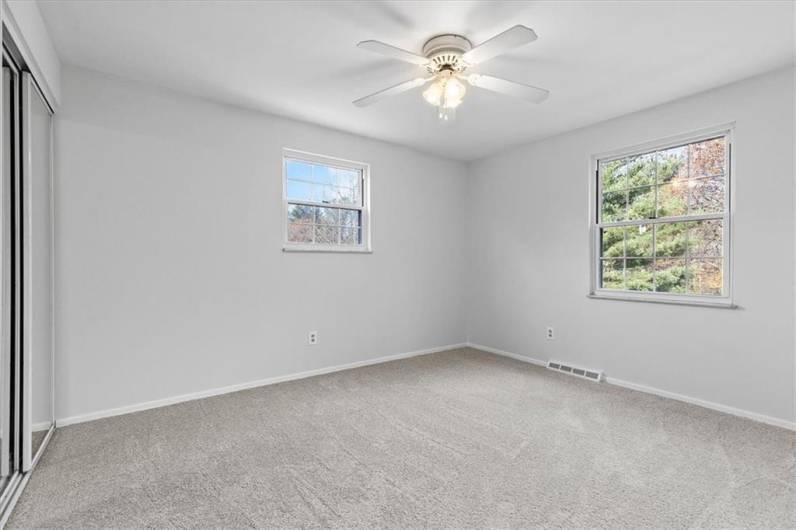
column 530, row 257
column 170, row 277
column 169, row 270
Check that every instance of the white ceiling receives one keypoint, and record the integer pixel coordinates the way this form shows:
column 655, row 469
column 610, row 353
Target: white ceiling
column 598, row 59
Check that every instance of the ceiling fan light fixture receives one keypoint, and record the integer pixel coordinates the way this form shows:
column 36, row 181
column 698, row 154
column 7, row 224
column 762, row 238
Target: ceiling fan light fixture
column 454, row 93
column 446, row 93
column 433, row 94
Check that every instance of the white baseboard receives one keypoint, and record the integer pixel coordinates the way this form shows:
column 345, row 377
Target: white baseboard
column 762, row 418
column 81, row 418
column 41, row 426
column 523, row 358
column 62, row 422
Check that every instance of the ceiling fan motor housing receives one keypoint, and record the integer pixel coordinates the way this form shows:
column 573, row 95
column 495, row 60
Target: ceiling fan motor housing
column 445, row 52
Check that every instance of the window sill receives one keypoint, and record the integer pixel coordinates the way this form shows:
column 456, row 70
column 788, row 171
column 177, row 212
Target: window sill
column 723, row 303
column 332, row 250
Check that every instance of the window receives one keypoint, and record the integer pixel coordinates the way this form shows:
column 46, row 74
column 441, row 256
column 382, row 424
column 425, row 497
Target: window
column 326, row 203
column 662, row 223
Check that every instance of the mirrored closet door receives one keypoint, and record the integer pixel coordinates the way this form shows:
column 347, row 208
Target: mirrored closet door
column 5, row 366
column 10, row 285
column 37, row 257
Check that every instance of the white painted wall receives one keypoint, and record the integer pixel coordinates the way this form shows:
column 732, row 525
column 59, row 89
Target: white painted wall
column 530, row 257
column 170, row 278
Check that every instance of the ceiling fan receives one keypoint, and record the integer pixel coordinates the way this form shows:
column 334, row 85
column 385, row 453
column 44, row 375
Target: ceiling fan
column 446, row 58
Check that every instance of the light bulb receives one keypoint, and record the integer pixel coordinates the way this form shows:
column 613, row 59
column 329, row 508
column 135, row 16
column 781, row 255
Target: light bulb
column 454, row 93
column 433, row 93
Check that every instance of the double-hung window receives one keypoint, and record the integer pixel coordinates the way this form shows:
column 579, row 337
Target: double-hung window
column 662, row 222
column 326, row 203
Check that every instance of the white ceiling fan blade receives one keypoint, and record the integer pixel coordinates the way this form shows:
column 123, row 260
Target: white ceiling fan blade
column 392, row 91
column 392, row 52
column 510, row 88
column 500, row 44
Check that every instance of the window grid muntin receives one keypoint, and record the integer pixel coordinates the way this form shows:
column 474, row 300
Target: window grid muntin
column 724, row 216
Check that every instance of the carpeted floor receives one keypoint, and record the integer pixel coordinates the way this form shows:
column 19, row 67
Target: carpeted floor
column 460, row 439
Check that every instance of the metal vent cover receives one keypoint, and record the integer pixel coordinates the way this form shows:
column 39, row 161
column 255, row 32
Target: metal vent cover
column 577, row 371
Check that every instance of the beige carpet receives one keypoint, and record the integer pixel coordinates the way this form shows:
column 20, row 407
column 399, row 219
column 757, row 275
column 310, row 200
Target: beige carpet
column 459, row 439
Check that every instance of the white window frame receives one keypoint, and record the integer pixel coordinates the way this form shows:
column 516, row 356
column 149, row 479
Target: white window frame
column 595, row 206
column 364, row 207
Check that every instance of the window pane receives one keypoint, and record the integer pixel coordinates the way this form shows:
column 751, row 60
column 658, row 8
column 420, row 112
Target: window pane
column 340, row 195
column 672, row 199
column 612, row 175
column 299, row 233
column 707, row 195
column 300, row 191
column 641, row 170
column 614, row 206
column 641, row 203
column 706, row 158
column 347, row 178
column 326, row 235
column 349, row 236
column 613, row 242
column 670, row 275
column 323, row 175
column 327, row 216
column 671, row 239
column 705, row 276
column 297, row 170
column 300, row 214
column 638, row 241
column 349, row 217
column 613, row 274
column 318, row 183
column 639, row 275
column 705, row 238
column 672, row 164
column 305, row 191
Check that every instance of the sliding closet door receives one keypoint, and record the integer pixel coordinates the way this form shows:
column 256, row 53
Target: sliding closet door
column 7, row 367
column 10, row 286
column 38, row 386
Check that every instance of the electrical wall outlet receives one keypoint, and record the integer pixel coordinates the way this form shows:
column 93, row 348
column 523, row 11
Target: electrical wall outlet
column 312, row 337
column 549, row 333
